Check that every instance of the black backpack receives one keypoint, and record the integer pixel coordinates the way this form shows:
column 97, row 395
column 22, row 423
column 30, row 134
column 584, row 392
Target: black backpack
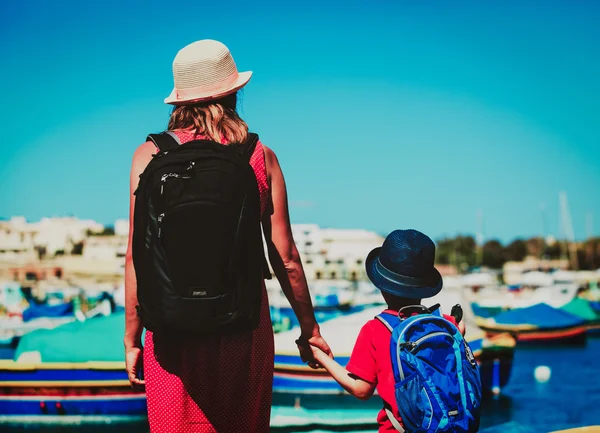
column 197, row 244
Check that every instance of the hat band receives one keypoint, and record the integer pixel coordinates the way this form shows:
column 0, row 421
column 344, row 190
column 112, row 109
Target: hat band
column 399, row 278
column 193, row 92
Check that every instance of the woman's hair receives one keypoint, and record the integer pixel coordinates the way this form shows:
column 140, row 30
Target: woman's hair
column 217, row 120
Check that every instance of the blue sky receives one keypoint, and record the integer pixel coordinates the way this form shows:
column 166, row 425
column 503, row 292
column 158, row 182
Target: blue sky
column 384, row 114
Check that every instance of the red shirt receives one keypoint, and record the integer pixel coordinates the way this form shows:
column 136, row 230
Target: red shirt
column 371, row 361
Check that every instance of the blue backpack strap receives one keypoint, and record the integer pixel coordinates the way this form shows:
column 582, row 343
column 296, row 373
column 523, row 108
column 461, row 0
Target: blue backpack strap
column 390, row 321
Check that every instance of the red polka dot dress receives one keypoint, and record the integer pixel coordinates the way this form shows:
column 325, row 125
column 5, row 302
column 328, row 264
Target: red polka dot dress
column 218, row 385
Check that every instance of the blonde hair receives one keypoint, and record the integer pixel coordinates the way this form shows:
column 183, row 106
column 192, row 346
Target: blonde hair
column 217, row 120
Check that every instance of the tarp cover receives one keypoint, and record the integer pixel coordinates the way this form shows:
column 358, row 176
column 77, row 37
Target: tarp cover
column 582, row 308
column 96, row 339
column 539, row 315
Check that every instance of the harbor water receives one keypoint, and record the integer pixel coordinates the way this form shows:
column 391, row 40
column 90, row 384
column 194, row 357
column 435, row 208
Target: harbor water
column 570, row 398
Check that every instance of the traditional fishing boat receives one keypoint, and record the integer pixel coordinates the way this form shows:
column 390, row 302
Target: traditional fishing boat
column 70, row 373
column 538, row 323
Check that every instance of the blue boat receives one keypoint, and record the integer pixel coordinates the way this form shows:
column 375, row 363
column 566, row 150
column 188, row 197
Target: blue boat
column 538, row 323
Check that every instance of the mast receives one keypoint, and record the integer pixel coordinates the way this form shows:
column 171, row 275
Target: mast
column 568, row 230
column 479, row 238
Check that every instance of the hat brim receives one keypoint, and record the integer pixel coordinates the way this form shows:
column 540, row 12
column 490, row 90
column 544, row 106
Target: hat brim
column 243, row 78
column 397, row 288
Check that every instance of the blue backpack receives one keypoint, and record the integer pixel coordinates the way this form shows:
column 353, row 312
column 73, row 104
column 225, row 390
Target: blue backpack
column 437, row 382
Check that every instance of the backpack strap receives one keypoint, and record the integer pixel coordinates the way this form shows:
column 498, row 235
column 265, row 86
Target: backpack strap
column 389, row 320
column 395, row 423
column 165, row 141
column 246, row 150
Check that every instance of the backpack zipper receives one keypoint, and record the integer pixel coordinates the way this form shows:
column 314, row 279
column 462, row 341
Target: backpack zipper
column 159, row 220
column 433, row 334
column 413, row 345
column 409, row 343
column 164, row 177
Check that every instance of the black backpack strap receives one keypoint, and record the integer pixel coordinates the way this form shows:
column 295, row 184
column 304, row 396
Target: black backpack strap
column 247, row 149
column 164, row 141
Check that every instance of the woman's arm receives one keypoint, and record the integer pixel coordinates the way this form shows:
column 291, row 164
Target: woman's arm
column 285, row 259
column 133, row 324
column 356, row 386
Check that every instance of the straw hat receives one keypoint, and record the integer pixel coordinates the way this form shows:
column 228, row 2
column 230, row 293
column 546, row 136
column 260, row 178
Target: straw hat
column 205, row 70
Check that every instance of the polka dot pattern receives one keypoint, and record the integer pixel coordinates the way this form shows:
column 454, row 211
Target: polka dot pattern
column 218, row 384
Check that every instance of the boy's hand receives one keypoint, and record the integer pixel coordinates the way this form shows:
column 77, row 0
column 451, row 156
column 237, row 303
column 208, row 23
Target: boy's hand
column 307, row 349
column 317, row 353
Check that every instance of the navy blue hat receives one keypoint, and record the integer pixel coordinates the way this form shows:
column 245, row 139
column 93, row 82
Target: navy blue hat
column 403, row 265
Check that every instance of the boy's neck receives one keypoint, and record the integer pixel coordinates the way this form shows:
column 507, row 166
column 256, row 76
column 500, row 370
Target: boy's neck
column 396, row 304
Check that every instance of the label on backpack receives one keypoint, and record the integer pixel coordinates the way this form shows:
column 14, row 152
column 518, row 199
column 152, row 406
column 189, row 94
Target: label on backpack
column 470, row 356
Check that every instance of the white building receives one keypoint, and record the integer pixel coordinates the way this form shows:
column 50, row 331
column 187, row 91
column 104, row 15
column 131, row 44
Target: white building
column 20, row 239
column 16, row 240
column 334, row 253
column 122, row 227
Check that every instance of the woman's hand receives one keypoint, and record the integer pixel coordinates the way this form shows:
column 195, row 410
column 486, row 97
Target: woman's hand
column 308, row 346
column 133, row 364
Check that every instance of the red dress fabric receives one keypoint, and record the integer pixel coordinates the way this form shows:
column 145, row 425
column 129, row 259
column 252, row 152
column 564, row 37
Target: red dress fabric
column 222, row 384
column 371, row 360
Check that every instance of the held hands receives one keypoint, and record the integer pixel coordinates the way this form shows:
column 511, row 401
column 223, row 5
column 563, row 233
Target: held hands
column 311, row 348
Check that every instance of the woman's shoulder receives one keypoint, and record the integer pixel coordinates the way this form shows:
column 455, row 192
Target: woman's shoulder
column 270, row 157
column 143, row 155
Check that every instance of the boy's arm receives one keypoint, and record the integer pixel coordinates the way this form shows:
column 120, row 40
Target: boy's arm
column 356, row 386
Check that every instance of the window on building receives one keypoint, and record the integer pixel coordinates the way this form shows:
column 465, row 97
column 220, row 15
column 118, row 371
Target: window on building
column 333, row 275
column 308, row 261
column 359, row 261
column 318, row 275
column 327, row 262
column 340, row 261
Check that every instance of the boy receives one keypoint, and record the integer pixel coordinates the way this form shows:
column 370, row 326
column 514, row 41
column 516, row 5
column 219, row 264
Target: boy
column 403, row 269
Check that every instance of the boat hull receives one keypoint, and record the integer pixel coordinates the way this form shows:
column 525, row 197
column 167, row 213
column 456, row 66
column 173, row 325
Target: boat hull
column 563, row 336
column 65, row 389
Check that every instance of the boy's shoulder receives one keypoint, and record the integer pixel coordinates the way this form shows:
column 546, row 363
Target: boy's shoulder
column 375, row 328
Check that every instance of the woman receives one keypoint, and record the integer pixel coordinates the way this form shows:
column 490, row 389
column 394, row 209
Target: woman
column 224, row 383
